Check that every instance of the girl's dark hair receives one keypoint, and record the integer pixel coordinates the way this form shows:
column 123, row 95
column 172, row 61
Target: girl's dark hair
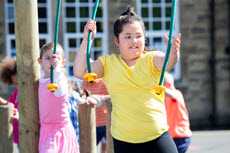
column 8, row 69
column 129, row 16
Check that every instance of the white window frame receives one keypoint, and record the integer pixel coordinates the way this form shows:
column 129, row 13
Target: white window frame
column 160, row 33
column 9, row 37
column 47, row 36
column 79, row 35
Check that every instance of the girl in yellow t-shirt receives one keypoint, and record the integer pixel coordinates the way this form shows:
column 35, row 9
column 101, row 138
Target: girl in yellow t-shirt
column 139, row 122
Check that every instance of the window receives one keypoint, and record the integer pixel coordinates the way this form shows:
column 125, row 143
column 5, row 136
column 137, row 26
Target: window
column 44, row 19
column 156, row 16
column 75, row 15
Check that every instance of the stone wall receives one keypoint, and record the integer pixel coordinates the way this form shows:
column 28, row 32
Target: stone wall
column 196, row 51
column 223, row 62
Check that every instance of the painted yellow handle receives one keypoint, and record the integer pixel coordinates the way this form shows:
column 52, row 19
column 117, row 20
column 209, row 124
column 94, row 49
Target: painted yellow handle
column 90, row 77
column 52, row 87
column 159, row 92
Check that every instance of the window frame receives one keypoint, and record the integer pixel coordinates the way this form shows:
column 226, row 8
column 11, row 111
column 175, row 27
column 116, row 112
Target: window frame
column 78, row 35
column 9, row 36
column 160, row 33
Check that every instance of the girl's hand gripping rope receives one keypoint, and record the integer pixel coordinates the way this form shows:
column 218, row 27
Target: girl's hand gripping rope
column 55, row 62
column 89, row 31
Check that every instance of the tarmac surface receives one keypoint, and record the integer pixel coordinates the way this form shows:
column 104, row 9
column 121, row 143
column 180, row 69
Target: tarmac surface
column 210, row 142
column 206, row 142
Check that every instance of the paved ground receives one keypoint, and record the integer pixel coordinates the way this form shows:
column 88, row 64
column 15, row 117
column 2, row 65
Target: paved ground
column 210, row 142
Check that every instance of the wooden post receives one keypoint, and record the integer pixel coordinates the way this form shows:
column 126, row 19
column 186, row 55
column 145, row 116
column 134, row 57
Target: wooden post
column 109, row 140
column 6, row 129
column 87, row 123
column 27, row 46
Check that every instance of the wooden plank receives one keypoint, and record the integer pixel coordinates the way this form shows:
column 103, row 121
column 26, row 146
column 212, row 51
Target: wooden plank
column 87, row 123
column 109, row 140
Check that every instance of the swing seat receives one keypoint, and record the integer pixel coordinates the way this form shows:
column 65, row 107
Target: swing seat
column 52, row 87
column 159, row 92
column 90, row 77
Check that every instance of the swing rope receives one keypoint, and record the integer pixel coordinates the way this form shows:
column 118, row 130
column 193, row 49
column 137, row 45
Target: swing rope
column 159, row 90
column 169, row 43
column 90, row 77
column 52, row 86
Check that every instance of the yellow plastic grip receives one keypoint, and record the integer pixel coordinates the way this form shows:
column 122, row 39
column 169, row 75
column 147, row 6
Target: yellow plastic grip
column 90, row 77
column 52, row 87
column 159, row 92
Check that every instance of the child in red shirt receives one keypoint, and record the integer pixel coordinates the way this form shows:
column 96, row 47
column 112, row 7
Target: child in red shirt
column 177, row 115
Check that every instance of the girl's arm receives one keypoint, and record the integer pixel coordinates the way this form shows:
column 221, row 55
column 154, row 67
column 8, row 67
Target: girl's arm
column 170, row 92
column 61, row 80
column 3, row 101
column 59, row 75
column 102, row 99
column 174, row 94
column 97, row 100
column 80, row 59
column 174, row 55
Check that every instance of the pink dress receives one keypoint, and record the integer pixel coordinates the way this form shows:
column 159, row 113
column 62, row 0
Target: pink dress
column 13, row 98
column 56, row 132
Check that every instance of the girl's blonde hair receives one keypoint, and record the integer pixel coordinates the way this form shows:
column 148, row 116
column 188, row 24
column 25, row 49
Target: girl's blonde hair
column 49, row 46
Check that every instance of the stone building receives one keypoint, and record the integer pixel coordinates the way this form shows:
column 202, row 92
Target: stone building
column 203, row 73
column 205, row 26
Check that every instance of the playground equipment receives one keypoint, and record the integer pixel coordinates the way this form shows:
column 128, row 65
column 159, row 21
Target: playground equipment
column 90, row 76
column 159, row 89
column 53, row 86
column 29, row 44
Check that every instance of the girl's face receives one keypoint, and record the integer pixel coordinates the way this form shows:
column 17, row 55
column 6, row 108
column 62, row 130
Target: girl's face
column 131, row 41
column 45, row 61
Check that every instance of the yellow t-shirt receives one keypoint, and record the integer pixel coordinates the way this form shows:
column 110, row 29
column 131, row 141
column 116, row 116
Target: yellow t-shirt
column 137, row 116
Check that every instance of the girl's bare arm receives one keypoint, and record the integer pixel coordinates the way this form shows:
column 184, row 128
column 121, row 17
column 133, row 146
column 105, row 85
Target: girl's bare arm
column 80, row 59
column 174, row 55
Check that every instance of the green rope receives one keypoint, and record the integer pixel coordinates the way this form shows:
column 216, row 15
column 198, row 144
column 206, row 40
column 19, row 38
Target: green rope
column 58, row 13
column 169, row 42
column 89, row 38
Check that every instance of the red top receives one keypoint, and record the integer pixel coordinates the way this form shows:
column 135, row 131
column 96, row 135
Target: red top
column 98, row 88
column 177, row 116
column 13, row 98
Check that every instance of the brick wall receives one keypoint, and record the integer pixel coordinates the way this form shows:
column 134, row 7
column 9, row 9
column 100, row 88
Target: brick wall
column 196, row 51
column 223, row 62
